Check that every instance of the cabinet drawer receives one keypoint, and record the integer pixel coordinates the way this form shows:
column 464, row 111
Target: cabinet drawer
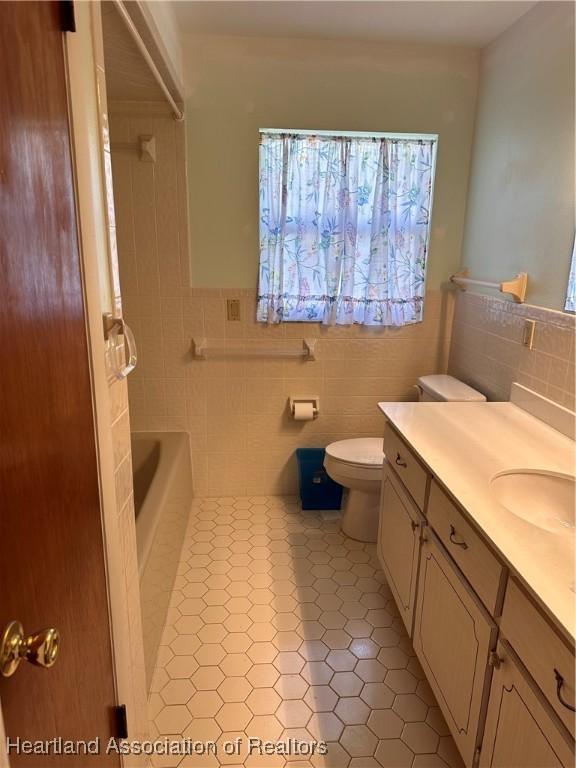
column 482, row 569
column 406, row 465
column 520, row 727
column 453, row 637
column 541, row 651
column 399, row 543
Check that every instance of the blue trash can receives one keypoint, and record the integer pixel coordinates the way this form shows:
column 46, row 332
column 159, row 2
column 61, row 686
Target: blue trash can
column 317, row 490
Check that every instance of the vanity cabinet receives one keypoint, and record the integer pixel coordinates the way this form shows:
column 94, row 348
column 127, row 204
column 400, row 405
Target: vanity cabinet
column 542, row 651
column 412, row 474
column 521, row 730
column 503, row 675
column 399, row 543
column 453, row 638
column 466, row 548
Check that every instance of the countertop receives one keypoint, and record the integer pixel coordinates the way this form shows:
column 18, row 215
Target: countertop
column 464, row 445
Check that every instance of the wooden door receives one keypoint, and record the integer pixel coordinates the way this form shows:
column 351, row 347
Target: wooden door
column 399, row 543
column 521, row 730
column 52, row 566
column 453, row 637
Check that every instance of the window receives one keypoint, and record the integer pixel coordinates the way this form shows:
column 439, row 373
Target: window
column 344, row 227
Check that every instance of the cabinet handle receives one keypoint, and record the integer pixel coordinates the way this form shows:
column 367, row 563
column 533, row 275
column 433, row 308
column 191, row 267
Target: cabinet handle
column 400, row 461
column 559, row 685
column 453, row 540
column 414, row 525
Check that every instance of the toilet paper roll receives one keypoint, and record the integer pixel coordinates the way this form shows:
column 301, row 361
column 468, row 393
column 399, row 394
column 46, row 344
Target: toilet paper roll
column 303, row 411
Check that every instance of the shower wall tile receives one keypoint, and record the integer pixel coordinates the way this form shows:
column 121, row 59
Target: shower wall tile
column 121, row 438
column 487, row 350
column 136, row 702
column 125, row 598
column 124, row 483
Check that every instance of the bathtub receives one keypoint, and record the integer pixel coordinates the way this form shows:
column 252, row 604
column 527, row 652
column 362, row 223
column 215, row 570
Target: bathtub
column 162, row 494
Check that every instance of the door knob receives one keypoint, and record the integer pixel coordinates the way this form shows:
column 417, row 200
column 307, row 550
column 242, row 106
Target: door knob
column 40, row 648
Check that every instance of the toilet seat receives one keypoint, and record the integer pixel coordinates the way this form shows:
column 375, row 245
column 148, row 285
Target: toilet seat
column 359, row 459
column 357, row 465
column 358, row 451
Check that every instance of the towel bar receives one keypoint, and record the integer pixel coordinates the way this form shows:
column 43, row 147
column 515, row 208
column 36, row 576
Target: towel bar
column 515, row 287
column 202, row 350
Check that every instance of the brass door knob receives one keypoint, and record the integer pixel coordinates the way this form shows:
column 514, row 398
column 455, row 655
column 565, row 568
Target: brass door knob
column 41, row 648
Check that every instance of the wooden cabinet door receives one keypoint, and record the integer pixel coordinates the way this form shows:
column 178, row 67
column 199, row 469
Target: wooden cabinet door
column 521, row 731
column 399, row 543
column 453, row 637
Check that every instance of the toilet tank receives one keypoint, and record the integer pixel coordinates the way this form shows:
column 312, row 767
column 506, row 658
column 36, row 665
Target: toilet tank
column 443, row 388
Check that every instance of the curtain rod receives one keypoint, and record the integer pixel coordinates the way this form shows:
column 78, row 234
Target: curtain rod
column 354, row 134
column 141, row 45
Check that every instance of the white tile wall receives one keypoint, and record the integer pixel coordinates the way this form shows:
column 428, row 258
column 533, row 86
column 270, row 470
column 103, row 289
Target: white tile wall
column 135, row 692
column 236, row 410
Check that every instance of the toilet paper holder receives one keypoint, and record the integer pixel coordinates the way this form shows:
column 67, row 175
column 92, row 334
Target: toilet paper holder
column 314, row 401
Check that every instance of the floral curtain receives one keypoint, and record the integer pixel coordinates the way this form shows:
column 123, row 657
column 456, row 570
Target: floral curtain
column 344, row 228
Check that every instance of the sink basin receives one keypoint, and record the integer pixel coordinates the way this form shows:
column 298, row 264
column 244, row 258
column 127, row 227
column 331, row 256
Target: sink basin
column 544, row 499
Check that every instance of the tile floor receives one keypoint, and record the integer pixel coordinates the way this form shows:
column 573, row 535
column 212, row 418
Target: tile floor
column 282, row 627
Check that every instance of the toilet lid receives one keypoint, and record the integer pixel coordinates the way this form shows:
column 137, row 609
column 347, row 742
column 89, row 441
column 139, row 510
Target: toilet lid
column 358, row 450
column 443, row 387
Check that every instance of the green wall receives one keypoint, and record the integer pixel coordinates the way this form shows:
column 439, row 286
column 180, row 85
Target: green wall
column 521, row 200
column 238, row 85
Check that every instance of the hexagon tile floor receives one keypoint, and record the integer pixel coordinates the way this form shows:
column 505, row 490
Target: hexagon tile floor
column 281, row 627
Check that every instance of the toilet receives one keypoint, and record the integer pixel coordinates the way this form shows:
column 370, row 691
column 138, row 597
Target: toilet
column 357, row 463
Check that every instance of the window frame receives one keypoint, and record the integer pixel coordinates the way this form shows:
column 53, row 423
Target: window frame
column 392, row 136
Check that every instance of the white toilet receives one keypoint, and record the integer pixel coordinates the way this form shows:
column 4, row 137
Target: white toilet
column 357, row 463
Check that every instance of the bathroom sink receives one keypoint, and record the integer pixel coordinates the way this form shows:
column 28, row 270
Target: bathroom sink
column 544, row 499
